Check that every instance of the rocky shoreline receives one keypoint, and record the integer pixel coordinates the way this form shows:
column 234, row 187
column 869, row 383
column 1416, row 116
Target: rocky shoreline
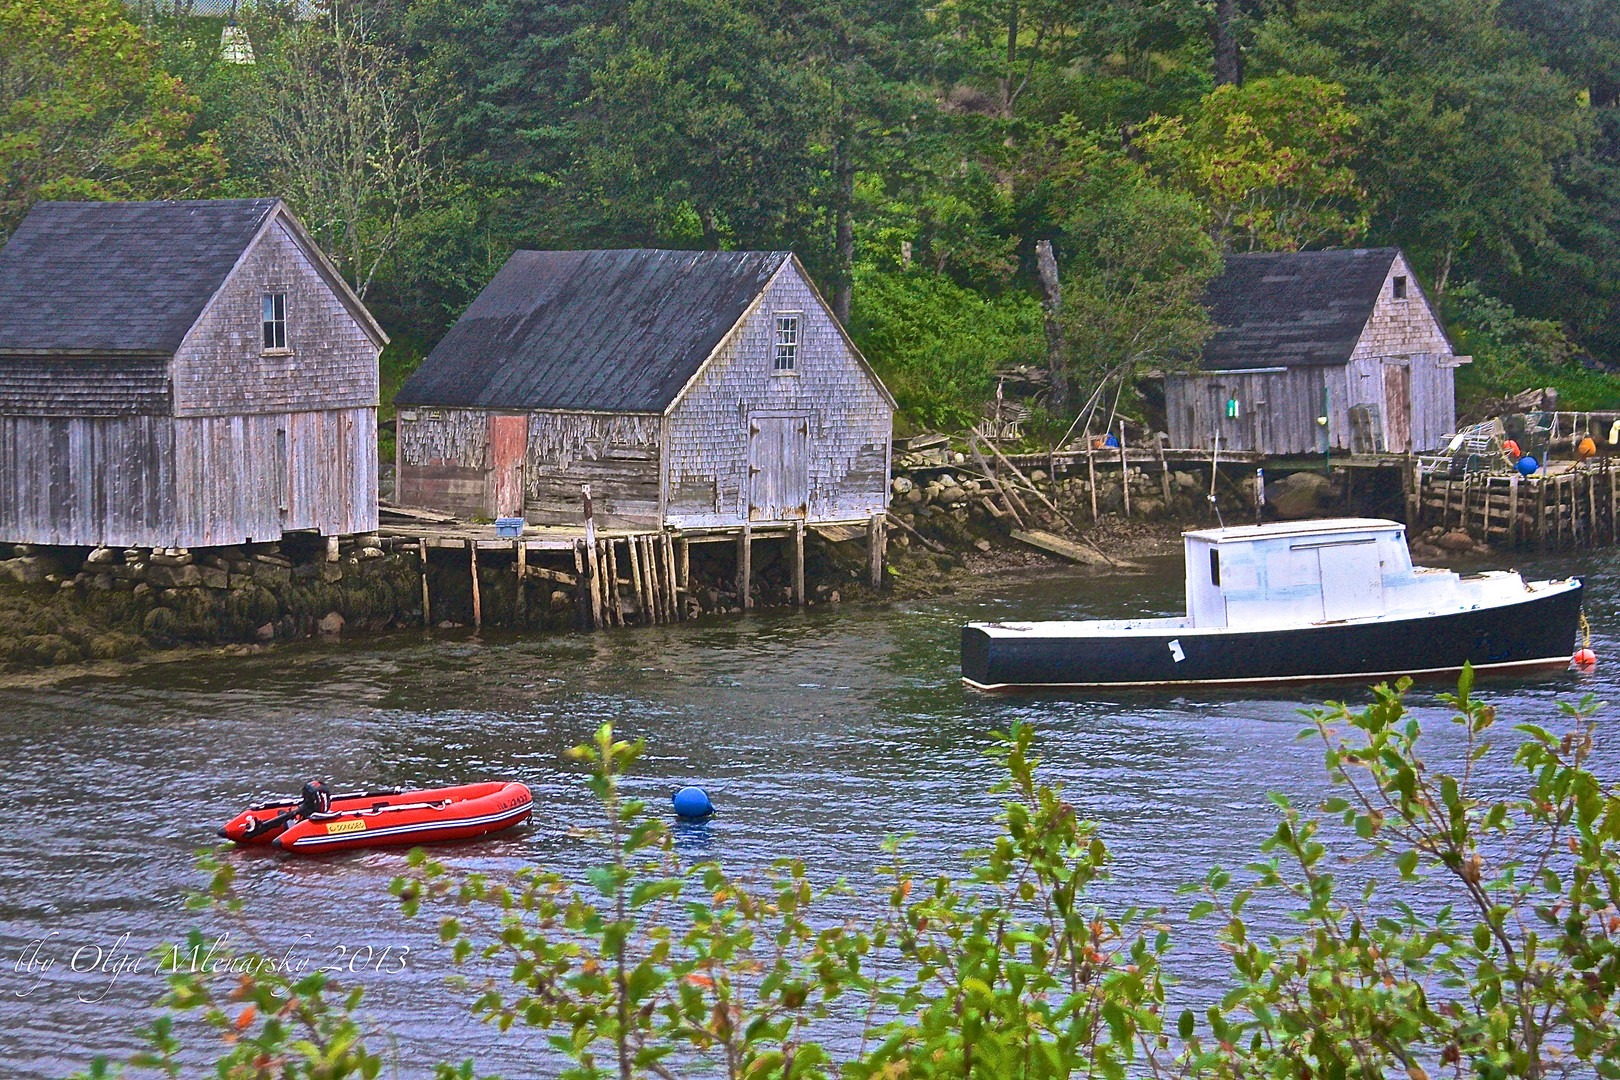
column 64, row 606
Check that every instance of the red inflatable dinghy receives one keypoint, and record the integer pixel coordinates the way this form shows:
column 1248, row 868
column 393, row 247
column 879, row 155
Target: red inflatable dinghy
column 325, row 822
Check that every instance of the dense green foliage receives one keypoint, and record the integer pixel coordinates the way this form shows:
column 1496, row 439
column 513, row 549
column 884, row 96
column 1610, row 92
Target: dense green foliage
column 1429, row 920
column 912, row 154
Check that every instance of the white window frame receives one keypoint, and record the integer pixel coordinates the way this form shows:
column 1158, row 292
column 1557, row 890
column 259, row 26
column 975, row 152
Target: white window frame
column 273, row 323
column 786, row 340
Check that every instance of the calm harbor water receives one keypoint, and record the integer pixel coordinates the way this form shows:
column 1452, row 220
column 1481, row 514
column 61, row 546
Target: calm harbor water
column 817, row 734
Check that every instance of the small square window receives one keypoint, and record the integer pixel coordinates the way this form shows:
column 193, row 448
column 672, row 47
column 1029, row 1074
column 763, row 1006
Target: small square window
column 1400, row 288
column 787, row 342
column 275, row 320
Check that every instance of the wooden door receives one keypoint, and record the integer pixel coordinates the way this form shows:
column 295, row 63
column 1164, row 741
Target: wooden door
column 1352, row 580
column 778, row 468
column 508, row 440
column 1397, row 408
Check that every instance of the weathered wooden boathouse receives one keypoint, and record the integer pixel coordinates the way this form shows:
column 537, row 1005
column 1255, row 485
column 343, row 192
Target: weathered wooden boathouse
column 181, row 374
column 688, row 389
column 1316, row 352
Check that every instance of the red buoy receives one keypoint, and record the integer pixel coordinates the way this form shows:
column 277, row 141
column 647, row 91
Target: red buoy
column 1585, row 659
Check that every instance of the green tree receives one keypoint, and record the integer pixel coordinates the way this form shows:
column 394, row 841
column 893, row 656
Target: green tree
column 1462, row 125
column 1269, row 159
column 1136, row 258
column 86, row 113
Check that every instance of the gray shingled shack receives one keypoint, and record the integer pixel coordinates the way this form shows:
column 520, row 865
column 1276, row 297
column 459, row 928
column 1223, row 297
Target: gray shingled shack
column 181, row 374
column 1345, row 335
column 687, row 388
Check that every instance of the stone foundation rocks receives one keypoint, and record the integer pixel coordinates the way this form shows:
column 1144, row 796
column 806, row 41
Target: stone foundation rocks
column 67, row 605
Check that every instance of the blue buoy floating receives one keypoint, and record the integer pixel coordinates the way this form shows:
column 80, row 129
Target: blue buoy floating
column 692, row 802
column 1527, row 465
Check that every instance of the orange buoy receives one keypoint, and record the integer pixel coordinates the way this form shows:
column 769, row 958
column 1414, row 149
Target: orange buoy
column 1513, row 448
column 1585, row 659
column 1585, row 448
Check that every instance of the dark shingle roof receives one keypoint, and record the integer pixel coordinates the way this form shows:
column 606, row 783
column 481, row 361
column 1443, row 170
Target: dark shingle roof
column 616, row 331
column 1289, row 309
column 110, row 278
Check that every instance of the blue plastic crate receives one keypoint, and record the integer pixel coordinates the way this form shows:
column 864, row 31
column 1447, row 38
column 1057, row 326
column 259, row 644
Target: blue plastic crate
column 509, row 528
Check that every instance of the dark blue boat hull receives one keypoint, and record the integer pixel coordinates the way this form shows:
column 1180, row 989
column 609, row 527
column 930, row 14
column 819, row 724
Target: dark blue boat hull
column 1537, row 633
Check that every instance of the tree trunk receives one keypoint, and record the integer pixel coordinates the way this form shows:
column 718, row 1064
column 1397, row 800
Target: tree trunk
column 844, row 236
column 711, row 234
column 1012, row 58
column 1228, row 64
column 1052, row 305
column 1445, row 272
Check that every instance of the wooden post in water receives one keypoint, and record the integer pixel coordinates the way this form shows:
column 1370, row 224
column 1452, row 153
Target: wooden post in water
column 1541, row 512
column 610, row 584
column 1513, row 510
column 1558, row 512
column 1614, row 510
column 876, row 540
column 522, row 581
column 745, row 565
column 421, row 553
column 584, row 587
column 1591, row 508
column 637, row 587
column 655, row 607
column 664, row 545
column 798, row 563
column 683, row 571
column 478, row 602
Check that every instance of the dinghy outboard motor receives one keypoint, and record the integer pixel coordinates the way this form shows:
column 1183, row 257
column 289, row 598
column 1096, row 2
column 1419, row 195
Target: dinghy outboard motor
column 317, row 799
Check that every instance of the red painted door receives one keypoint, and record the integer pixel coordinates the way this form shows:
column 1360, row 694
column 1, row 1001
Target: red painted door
column 508, row 438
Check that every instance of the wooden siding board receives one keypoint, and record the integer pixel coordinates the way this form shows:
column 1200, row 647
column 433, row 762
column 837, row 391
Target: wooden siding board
column 331, row 361
column 849, row 417
column 1277, row 409
column 83, row 386
column 86, row 481
column 241, row 471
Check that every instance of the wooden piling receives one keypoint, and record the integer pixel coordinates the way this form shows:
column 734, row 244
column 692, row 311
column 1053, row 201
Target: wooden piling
column 876, row 538
column 593, row 583
column 655, row 606
column 683, row 569
column 584, row 587
column 637, row 582
column 615, row 599
column 1591, row 508
column 745, row 566
column 1541, row 512
column 798, row 563
column 477, row 599
column 421, row 553
column 664, row 545
column 1558, row 511
column 1514, row 529
column 1614, row 509
column 522, row 563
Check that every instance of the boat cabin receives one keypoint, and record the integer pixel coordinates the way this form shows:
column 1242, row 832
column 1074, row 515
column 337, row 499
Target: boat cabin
column 1302, row 572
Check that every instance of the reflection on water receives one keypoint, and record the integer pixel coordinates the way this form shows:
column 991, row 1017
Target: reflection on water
column 816, row 734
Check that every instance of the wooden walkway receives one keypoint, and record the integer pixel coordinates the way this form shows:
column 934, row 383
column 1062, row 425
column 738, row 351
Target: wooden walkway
column 1571, row 505
column 619, row 576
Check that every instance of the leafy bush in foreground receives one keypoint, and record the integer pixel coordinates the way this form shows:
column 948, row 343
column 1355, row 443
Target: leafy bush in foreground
column 1479, row 941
